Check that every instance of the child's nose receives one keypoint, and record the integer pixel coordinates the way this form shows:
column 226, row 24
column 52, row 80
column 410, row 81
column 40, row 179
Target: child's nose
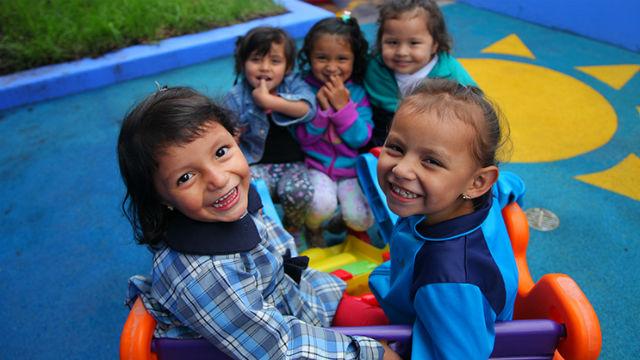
column 216, row 179
column 403, row 170
column 265, row 65
column 403, row 49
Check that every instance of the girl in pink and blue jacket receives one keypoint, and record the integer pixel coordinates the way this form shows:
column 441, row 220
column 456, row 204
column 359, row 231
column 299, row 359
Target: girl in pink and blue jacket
column 334, row 59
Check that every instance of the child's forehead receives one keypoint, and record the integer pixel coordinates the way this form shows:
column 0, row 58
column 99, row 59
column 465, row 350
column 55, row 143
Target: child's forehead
column 326, row 37
column 275, row 48
column 417, row 12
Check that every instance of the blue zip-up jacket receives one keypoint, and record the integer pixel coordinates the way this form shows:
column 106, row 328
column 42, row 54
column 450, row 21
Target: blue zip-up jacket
column 254, row 121
column 452, row 281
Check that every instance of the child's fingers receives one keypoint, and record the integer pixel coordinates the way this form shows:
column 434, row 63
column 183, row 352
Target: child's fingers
column 336, row 81
column 329, row 85
column 322, row 99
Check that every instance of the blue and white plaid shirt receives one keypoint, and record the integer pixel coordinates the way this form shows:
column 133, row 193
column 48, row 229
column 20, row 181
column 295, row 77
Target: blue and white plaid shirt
column 246, row 306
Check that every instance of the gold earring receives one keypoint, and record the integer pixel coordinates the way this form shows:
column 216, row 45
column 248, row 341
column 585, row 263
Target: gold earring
column 466, row 197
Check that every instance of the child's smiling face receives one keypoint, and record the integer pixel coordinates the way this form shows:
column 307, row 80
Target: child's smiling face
column 407, row 45
column 331, row 55
column 426, row 164
column 272, row 67
column 206, row 179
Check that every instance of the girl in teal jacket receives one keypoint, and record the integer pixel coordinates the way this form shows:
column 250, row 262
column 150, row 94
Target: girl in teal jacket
column 412, row 44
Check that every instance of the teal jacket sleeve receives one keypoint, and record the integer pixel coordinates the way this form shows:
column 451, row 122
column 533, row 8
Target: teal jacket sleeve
column 509, row 188
column 381, row 86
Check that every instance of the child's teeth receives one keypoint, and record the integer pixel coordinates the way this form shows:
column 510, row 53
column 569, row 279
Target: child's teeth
column 403, row 193
column 221, row 202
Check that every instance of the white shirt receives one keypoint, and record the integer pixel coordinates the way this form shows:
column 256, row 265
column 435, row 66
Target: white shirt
column 406, row 82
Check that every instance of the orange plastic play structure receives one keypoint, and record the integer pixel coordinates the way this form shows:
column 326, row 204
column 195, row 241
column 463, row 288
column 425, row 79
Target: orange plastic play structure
column 554, row 296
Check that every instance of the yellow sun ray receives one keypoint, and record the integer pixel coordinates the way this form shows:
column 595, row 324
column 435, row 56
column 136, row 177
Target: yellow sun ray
column 623, row 178
column 509, row 45
column 615, row 76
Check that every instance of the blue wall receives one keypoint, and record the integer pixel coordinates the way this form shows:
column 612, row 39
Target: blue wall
column 614, row 21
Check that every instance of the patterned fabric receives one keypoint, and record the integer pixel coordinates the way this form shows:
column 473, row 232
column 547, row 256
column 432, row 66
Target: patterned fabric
column 290, row 186
column 353, row 204
column 246, row 306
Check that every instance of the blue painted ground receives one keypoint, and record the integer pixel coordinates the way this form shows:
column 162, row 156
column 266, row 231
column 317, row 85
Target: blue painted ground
column 67, row 251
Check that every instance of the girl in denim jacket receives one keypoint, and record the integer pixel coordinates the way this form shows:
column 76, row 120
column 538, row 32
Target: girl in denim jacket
column 269, row 101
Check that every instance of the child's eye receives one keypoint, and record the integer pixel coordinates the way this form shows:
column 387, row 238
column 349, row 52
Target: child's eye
column 184, row 178
column 390, row 42
column 416, row 43
column 431, row 161
column 222, row 151
column 393, row 149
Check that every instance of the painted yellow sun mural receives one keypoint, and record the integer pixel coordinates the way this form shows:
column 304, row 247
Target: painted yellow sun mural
column 553, row 116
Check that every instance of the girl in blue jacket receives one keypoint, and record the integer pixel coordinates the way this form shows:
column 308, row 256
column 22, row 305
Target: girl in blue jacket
column 452, row 272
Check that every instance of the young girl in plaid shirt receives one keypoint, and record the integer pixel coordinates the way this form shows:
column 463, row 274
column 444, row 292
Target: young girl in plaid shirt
column 222, row 269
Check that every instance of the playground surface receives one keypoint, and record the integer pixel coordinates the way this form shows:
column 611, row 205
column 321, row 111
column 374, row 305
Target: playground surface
column 573, row 109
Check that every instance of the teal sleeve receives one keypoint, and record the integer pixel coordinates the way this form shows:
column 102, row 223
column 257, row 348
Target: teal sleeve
column 509, row 188
column 381, row 86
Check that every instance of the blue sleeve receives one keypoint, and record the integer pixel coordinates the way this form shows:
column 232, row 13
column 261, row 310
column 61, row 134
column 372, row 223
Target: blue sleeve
column 356, row 132
column 508, row 188
column 453, row 321
column 294, row 88
column 232, row 103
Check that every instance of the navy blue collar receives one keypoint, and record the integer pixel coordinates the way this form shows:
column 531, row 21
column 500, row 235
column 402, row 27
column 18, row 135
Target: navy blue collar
column 456, row 226
column 193, row 237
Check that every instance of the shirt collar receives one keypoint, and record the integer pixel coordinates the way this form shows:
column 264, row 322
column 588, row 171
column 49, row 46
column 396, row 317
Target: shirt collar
column 406, row 82
column 457, row 226
column 193, row 237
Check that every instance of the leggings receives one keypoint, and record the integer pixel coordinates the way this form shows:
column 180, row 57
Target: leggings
column 328, row 194
column 290, row 186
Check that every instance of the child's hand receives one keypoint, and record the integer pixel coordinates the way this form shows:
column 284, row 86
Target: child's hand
column 388, row 353
column 261, row 95
column 337, row 94
column 323, row 101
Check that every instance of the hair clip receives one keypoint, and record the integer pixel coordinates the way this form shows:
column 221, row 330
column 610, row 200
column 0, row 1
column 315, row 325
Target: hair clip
column 346, row 15
column 161, row 88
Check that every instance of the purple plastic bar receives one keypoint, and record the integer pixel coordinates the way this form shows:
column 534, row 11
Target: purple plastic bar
column 385, row 332
column 517, row 339
column 527, row 339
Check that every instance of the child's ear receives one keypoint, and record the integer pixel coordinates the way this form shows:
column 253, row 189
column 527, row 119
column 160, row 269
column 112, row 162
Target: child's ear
column 434, row 48
column 482, row 181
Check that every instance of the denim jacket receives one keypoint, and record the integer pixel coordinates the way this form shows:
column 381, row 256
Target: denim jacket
column 254, row 121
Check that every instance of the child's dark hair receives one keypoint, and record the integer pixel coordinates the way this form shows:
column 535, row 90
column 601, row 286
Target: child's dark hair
column 171, row 116
column 259, row 40
column 347, row 28
column 448, row 100
column 435, row 20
